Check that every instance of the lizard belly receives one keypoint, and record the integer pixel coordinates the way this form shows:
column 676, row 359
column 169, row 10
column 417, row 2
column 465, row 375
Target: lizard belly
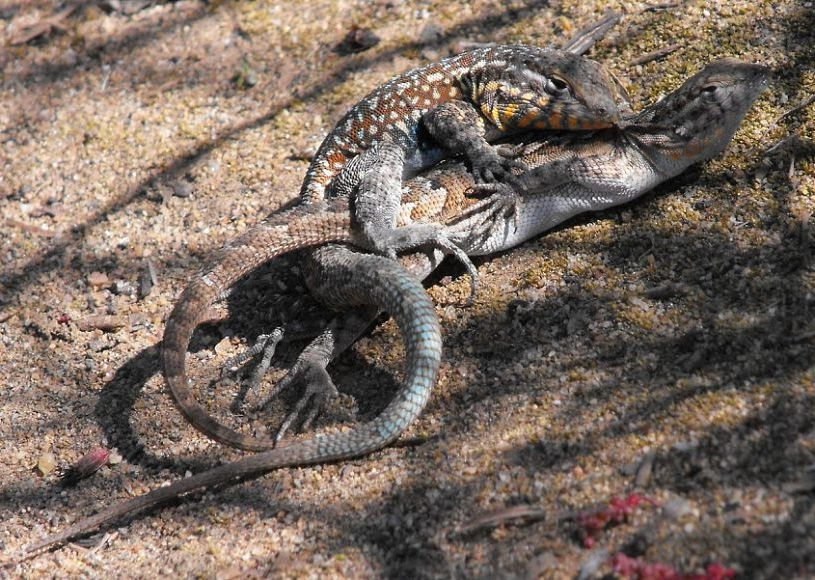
column 541, row 212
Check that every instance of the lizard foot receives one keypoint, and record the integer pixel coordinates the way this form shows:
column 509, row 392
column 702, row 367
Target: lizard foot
column 320, row 390
column 494, row 165
column 309, row 369
column 266, row 344
column 390, row 242
column 501, row 207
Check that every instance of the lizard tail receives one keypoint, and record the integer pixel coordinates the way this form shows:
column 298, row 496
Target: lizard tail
column 300, row 227
column 364, row 279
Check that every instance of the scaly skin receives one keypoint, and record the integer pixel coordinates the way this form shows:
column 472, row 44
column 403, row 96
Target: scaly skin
column 360, row 278
column 367, row 154
column 568, row 175
column 690, row 125
column 483, row 93
column 454, row 106
column 575, row 175
column 301, row 227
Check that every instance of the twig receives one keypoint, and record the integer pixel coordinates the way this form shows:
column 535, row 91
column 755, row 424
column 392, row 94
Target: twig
column 586, row 37
column 656, row 54
column 781, row 143
column 42, row 27
column 802, row 337
column 496, row 518
column 797, row 108
column 662, row 6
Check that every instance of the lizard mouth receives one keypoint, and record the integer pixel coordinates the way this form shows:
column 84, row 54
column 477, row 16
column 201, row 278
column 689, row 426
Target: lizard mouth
column 535, row 114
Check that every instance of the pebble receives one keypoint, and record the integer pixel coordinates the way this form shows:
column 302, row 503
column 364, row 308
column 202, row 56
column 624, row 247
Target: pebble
column 46, row 463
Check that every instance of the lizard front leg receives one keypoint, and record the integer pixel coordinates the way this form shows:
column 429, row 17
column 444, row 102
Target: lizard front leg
column 461, row 129
column 373, row 181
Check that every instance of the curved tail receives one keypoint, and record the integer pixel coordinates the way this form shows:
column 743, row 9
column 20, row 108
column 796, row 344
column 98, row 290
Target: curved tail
column 362, row 279
column 303, row 226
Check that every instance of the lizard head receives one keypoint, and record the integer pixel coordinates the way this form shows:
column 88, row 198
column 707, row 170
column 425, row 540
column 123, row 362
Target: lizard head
column 545, row 89
column 701, row 116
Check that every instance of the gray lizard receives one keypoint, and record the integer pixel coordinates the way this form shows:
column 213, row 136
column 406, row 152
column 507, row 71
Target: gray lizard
column 568, row 175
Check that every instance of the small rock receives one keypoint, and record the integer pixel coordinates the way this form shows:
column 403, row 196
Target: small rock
column 148, row 279
column 431, row 33
column 542, row 565
column 592, row 563
column 182, row 188
column 98, row 280
column 645, row 470
column 676, row 508
column 357, row 40
column 46, row 463
column 668, row 290
column 103, row 322
column 124, row 288
column 305, row 153
column 805, row 484
column 224, row 347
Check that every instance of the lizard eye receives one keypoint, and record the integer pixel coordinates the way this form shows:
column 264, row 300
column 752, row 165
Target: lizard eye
column 710, row 89
column 555, row 86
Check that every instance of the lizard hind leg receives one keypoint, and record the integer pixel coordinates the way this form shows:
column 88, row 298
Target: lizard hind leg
column 309, row 369
column 373, row 180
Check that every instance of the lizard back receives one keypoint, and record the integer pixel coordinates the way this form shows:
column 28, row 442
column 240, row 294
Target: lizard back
column 513, row 86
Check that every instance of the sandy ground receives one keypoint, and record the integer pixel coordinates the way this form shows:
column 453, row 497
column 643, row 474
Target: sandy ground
column 140, row 138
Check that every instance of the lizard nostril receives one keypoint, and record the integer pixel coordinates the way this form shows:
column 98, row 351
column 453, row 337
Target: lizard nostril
column 607, row 113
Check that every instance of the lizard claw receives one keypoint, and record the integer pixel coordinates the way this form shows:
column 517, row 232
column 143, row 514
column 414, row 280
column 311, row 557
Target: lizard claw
column 504, row 201
column 309, row 369
column 487, row 218
column 390, row 242
column 320, row 389
column 319, row 392
column 451, row 247
column 495, row 165
column 266, row 344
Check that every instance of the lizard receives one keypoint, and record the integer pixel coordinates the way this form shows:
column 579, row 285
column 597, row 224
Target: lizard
column 453, row 106
column 556, row 169
column 456, row 106
column 597, row 171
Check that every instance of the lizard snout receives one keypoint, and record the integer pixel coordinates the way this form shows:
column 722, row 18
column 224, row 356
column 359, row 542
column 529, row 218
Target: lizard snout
column 608, row 113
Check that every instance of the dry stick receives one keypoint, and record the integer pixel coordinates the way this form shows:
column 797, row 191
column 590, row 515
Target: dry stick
column 586, row 37
column 498, row 517
column 42, row 27
column 656, row 54
column 661, row 7
column 797, row 108
column 789, row 139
